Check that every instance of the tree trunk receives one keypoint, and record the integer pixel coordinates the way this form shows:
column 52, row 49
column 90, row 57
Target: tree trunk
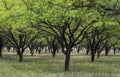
column 107, row 50
column 106, row 53
column 45, row 50
column 0, row 52
column 20, row 57
column 114, row 50
column 31, row 52
column 98, row 55
column 78, row 49
column 67, row 60
column 87, row 51
column 39, row 51
column 1, row 45
column 92, row 56
column 54, row 51
column 118, row 50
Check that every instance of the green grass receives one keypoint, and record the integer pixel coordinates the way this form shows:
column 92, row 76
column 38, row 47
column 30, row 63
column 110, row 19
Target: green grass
column 43, row 65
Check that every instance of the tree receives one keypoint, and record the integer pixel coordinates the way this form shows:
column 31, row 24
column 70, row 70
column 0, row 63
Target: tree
column 68, row 30
column 36, row 45
column 66, row 38
column 15, row 27
column 53, row 44
column 20, row 39
column 94, row 39
column 67, row 25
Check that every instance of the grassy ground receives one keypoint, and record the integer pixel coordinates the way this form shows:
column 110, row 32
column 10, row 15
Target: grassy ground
column 44, row 65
